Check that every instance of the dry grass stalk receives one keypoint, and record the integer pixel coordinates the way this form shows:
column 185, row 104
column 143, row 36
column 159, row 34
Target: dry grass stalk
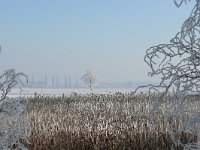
column 98, row 122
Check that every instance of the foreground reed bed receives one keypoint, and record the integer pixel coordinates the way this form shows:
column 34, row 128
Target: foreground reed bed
column 98, row 122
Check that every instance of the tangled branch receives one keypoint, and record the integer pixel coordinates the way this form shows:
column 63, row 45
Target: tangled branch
column 8, row 80
column 178, row 66
column 14, row 124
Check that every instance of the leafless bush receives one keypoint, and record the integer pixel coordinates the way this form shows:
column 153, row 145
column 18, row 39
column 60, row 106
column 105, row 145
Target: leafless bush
column 13, row 118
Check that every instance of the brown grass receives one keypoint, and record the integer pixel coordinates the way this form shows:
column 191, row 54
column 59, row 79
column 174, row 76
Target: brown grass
column 97, row 122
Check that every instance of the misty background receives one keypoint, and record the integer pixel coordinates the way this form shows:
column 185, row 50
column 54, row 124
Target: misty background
column 55, row 42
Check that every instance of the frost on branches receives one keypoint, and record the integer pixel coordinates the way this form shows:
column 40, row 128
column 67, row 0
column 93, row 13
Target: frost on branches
column 178, row 65
column 90, row 78
column 14, row 126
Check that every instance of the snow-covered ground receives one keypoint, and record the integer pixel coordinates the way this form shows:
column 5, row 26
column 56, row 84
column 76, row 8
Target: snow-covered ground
column 27, row 92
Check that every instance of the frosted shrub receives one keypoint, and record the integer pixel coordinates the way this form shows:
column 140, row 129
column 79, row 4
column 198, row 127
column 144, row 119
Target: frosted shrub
column 14, row 125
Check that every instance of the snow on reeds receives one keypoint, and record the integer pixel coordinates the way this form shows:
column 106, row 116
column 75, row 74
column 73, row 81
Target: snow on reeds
column 100, row 122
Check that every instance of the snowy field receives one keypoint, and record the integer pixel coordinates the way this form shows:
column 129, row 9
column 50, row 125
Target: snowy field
column 29, row 92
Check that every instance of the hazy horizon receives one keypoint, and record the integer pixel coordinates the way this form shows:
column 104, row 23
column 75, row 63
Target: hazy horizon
column 64, row 37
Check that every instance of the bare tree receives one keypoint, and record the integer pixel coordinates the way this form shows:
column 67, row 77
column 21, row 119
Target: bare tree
column 177, row 64
column 11, row 111
column 90, row 78
column 8, row 80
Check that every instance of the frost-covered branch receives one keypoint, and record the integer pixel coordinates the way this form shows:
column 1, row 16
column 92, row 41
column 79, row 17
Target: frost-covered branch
column 177, row 64
column 8, row 80
column 14, row 124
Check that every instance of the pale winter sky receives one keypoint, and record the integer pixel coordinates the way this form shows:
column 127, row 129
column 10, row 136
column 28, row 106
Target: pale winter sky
column 59, row 37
